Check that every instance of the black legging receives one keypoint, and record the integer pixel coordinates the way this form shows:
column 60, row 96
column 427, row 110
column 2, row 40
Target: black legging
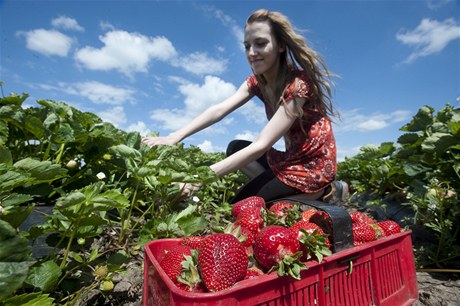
column 265, row 185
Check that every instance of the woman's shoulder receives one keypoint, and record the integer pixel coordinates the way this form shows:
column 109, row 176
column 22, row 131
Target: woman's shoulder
column 299, row 85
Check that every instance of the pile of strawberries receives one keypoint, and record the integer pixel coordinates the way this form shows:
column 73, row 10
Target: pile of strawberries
column 260, row 240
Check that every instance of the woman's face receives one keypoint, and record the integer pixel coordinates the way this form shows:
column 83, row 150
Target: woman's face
column 262, row 49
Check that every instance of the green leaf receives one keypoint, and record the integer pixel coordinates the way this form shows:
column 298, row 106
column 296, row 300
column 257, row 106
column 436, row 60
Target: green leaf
column 124, row 151
column 420, row 121
column 12, row 276
column 438, row 143
column 34, row 126
column 192, row 224
column 44, row 276
column 4, row 132
column 413, row 169
column 42, row 171
column 30, row 299
column 15, row 249
column 6, row 231
column 5, row 156
column 408, row 138
column 12, row 179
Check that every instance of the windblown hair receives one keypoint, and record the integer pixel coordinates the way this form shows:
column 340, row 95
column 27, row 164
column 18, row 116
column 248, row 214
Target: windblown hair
column 297, row 54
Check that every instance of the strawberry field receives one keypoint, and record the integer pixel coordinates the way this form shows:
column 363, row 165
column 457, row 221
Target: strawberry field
column 101, row 195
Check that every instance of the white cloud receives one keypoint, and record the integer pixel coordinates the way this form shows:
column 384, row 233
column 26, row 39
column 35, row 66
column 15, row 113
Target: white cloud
column 126, row 52
column 430, row 37
column 208, row 147
column 343, row 152
column 197, row 99
column 247, row 135
column 353, row 120
column 254, row 112
column 140, row 127
column 96, row 92
column 115, row 115
column 200, row 63
column 67, row 23
column 47, row 42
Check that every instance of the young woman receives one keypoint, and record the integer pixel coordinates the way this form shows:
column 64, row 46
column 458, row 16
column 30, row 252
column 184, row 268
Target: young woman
column 293, row 83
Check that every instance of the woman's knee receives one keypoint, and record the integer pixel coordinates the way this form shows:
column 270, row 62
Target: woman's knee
column 236, row 145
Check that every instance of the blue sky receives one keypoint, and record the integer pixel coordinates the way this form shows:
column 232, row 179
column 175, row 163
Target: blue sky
column 153, row 65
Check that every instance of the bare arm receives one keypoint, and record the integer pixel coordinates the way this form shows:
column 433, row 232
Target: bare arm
column 278, row 126
column 210, row 116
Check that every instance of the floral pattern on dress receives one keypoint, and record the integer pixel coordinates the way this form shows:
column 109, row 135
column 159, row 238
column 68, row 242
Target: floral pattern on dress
column 309, row 160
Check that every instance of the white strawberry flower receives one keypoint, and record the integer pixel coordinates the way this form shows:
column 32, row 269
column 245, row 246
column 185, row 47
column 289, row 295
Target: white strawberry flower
column 101, row 175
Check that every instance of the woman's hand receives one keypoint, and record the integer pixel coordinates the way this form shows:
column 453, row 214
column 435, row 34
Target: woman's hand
column 159, row 140
column 187, row 189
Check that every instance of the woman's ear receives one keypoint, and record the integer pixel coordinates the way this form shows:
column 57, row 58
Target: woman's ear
column 282, row 48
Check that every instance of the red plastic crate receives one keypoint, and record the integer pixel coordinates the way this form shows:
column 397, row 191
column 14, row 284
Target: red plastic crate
column 382, row 273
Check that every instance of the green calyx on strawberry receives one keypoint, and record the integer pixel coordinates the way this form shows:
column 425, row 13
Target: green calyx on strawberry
column 283, row 213
column 222, row 260
column 187, row 278
column 277, row 248
column 314, row 242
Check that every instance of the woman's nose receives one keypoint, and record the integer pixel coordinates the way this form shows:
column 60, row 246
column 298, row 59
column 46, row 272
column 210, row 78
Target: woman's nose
column 251, row 51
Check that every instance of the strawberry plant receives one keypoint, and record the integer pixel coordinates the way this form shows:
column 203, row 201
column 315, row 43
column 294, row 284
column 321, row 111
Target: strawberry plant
column 108, row 195
column 420, row 171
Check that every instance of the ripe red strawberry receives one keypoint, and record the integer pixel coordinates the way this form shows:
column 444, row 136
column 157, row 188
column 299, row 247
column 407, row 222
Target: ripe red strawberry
column 192, row 241
column 251, row 219
column 280, row 209
column 249, row 202
column 222, row 260
column 389, row 227
column 180, row 267
column 360, row 217
column 313, row 242
column 306, row 214
column 277, row 247
column 253, row 272
column 363, row 232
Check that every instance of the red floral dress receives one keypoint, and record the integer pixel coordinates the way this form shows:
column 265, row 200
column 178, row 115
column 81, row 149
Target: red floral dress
column 309, row 160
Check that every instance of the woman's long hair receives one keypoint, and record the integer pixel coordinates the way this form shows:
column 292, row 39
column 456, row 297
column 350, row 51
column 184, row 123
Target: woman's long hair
column 297, row 54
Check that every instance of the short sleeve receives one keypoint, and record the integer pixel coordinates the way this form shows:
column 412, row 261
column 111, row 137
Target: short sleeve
column 253, row 85
column 299, row 88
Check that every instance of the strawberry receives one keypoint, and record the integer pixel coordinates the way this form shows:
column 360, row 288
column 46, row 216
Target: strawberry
column 306, row 214
column 253, row 272
column 283, row 213
column 314, row 243
column 277, row 248
column 222, row 260
column 280, row 209
column 251, row 219
column 359, row 217
column 363, row 232
column 249, row 202
column 179, row 266
column 192, row 241
column 389, row 227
